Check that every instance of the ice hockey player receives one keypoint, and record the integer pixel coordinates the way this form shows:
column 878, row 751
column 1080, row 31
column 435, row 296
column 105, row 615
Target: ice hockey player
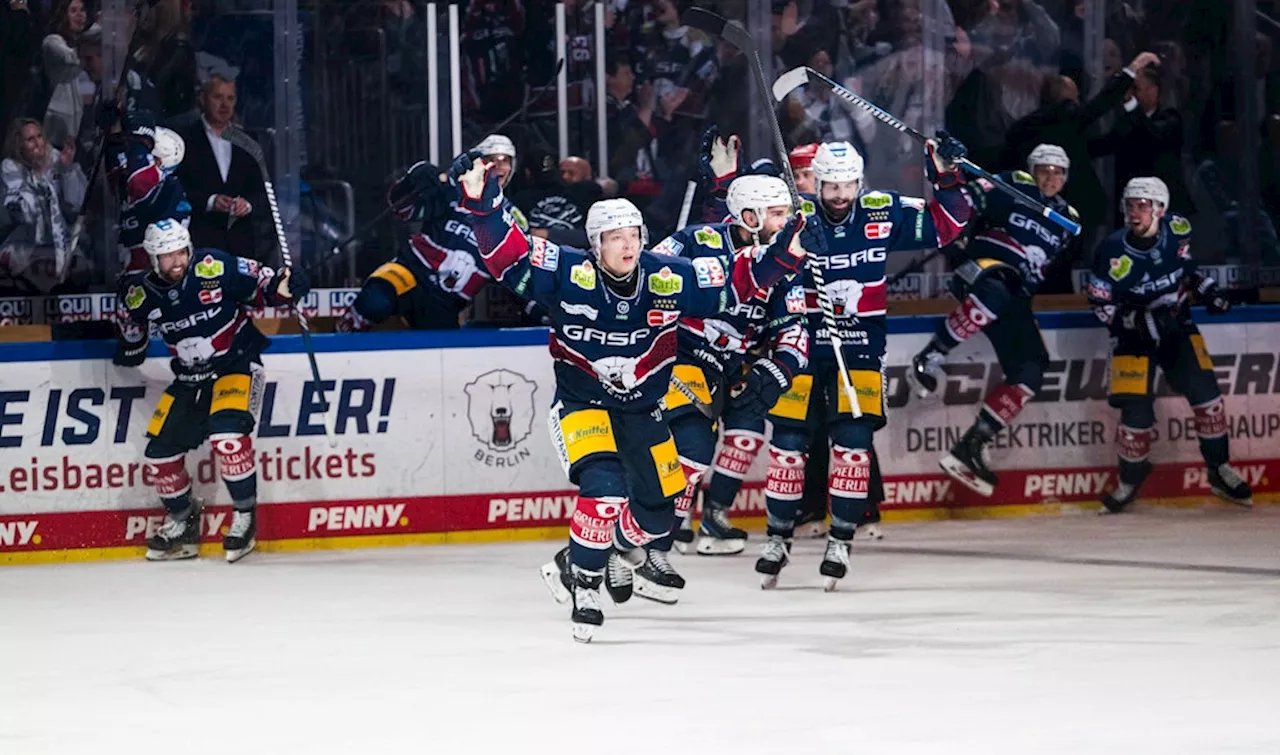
column 997, row 271
column 1142, row 277
column 858, row 230
column 801, row 161
column 153, row 194
column 197, row 301
column 438, row 272
column 737, row 365
column 614, row 310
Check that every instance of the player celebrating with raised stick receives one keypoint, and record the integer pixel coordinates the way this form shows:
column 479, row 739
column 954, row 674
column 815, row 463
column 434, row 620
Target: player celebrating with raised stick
column 613, row 310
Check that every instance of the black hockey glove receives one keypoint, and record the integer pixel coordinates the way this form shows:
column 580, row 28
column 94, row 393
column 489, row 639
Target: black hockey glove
column 813, row 236
column 1214, row 300
column 292, row 284
column 127, row 355
column 718, row 161
column 478, row 183
column 420, row 195
column 760, row 389
column 943, row 151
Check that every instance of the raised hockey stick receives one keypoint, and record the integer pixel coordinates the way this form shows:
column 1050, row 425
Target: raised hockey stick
column 249, row 144
column 803, row 75
column 717, row 25
column 686, row 207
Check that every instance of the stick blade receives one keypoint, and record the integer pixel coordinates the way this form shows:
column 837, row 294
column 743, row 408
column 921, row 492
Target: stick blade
column 705, row 21
column 783, row 86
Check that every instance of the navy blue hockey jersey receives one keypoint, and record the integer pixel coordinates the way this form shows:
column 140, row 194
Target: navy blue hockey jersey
column 1010, row 232
column 166, row 200
column 1126, row 279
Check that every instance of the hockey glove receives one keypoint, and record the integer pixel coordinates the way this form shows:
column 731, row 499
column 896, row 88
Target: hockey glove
column 813, row 237
column 761, row 388
column 420, row 195
column 787, row 247
column 943, row 151
column 719, row 161
column 292, row 284
column 1215, row 301
column 129, row 355
column 477, row 182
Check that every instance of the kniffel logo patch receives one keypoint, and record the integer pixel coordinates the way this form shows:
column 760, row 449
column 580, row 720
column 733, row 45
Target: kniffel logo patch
column 666, row 283
column 709, row 271
column 876, row 231
column 209, row 267
column 500, row 409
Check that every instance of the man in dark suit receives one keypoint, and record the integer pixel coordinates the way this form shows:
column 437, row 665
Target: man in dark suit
column 222, row 181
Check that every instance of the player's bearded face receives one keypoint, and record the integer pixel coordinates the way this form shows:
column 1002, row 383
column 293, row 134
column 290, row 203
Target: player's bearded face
column 174, row 264
column 502, row 166
column 837, row 197
column 1050, row 179
column 1141, row 216
column 805, row 183
column 620, row 251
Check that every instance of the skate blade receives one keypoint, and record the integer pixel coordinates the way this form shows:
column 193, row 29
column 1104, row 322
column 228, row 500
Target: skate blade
column 811, row 530
column 869, row 532
column 829, row 584
column 684, row 548
column 584, row 632
column 235, row 555
column 768, row 581
column 916, row 386
column 1245, row 503
column 174, row 554
column 961, row 474
column 668, row 596
column 551, row 577
column 714, row 546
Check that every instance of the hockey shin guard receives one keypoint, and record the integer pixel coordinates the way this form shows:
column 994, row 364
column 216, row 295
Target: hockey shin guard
column 734, row 459
column 784, row 486
column 237, row 467
column 850, row 486
column 1000, row 407
column 1133, row 445
column 591, row 530
column 1211, row 428
column 172, row 483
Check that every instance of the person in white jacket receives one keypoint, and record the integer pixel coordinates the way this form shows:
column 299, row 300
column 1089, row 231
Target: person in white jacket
column 41, row 187
column 62, row 69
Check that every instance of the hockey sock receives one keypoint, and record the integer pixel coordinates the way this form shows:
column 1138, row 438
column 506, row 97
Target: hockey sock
column 783, row 487
column 1211, row 427
column 237, row 467
column 737, row 452
column 965, row 321
column 1133, row 445
column 172, row 483
column 999, row 409
column 591, row 530
column 637, row 526
column 850, row 485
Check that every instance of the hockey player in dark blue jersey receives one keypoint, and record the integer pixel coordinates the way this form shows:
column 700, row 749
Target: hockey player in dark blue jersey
column 162, row 200
column 858, row 230
column 736, row 364
column 614, row 310
column 1140, row 287
column 197, row 300
column 998, row 266
column 438, row 272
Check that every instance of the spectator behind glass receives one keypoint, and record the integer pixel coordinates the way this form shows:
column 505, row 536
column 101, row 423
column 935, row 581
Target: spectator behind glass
column 60, row 67
column 555, row 198
column 42, row 188
column 166, row 55
column 633, row 130
column 222, row 181
column 814, row 114
column 17, row 46
column 493, row 59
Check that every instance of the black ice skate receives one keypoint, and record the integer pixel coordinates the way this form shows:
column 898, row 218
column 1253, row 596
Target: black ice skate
column 619, row 573
column 775, row 555
column 586, row 614
column 718, row 537
column 1227, row 485
column 835, row 562
column 684, row 536
column 657, row 579
column 926, row 367
column 557, row 577
column 177, row 538
column 241, row 537
column 967, row 464
column 1119, row 499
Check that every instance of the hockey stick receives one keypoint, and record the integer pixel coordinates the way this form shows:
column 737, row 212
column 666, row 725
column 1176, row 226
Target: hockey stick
column 716, row 25
column 687, row 206
column 803, row 74
column 703, row 407
column 249, row 144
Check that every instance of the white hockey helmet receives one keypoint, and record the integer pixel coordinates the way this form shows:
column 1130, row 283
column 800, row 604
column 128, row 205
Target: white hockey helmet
column 168, row 148
column 497, row 144
column 837, row 162
column 163, row 237
column 758, row 194
column 611, row 214
column 1048, row 154
column 1147, row 187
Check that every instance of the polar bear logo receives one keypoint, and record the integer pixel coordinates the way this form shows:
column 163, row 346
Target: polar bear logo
column 500, row 408
column 845, row 296
column 618, row 374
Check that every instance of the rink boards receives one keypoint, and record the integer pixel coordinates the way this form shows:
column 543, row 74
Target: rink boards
column 424, row 454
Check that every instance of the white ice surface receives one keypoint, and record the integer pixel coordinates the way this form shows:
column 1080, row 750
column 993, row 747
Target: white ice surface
column 459, row 649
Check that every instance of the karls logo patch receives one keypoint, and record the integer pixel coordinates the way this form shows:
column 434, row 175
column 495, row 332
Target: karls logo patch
column 583, row 276
column 1120, row 267
column 708, row 237
column 209, row 267
column 665, row 283
column 500, row 410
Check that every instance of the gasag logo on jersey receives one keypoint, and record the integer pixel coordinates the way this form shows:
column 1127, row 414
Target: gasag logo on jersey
column 668, row 246
column 709, row 272
column 666, row 283
column 543, row 254
column 877, row 231
column 1120, row 267
column 875, row 200
column 209, row 267
column 134, row 297
column 709, row 237
column 1018, row 220
column 581, row 310
column 850, row 259
column 1163, row 283
column 583, row 276
column 500, row 409
column 587, row 334
column 660, row 319
column 796, row 300
column 190, row 320
column 211, row 296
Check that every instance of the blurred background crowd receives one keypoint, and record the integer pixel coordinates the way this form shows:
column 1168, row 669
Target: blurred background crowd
column 340, row 95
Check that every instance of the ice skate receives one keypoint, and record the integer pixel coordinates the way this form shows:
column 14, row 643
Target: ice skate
column 241, row 537
column 684, row 536
column 1119, row 499
column 775, row 554
column 619, row 574
column 1227, row 485
column 176, row 539
column 835, row 562
column 967, row 464
column 926, row 367
column 657, row 579
column 557, row 577
column 586, row 615
column 718, row 537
